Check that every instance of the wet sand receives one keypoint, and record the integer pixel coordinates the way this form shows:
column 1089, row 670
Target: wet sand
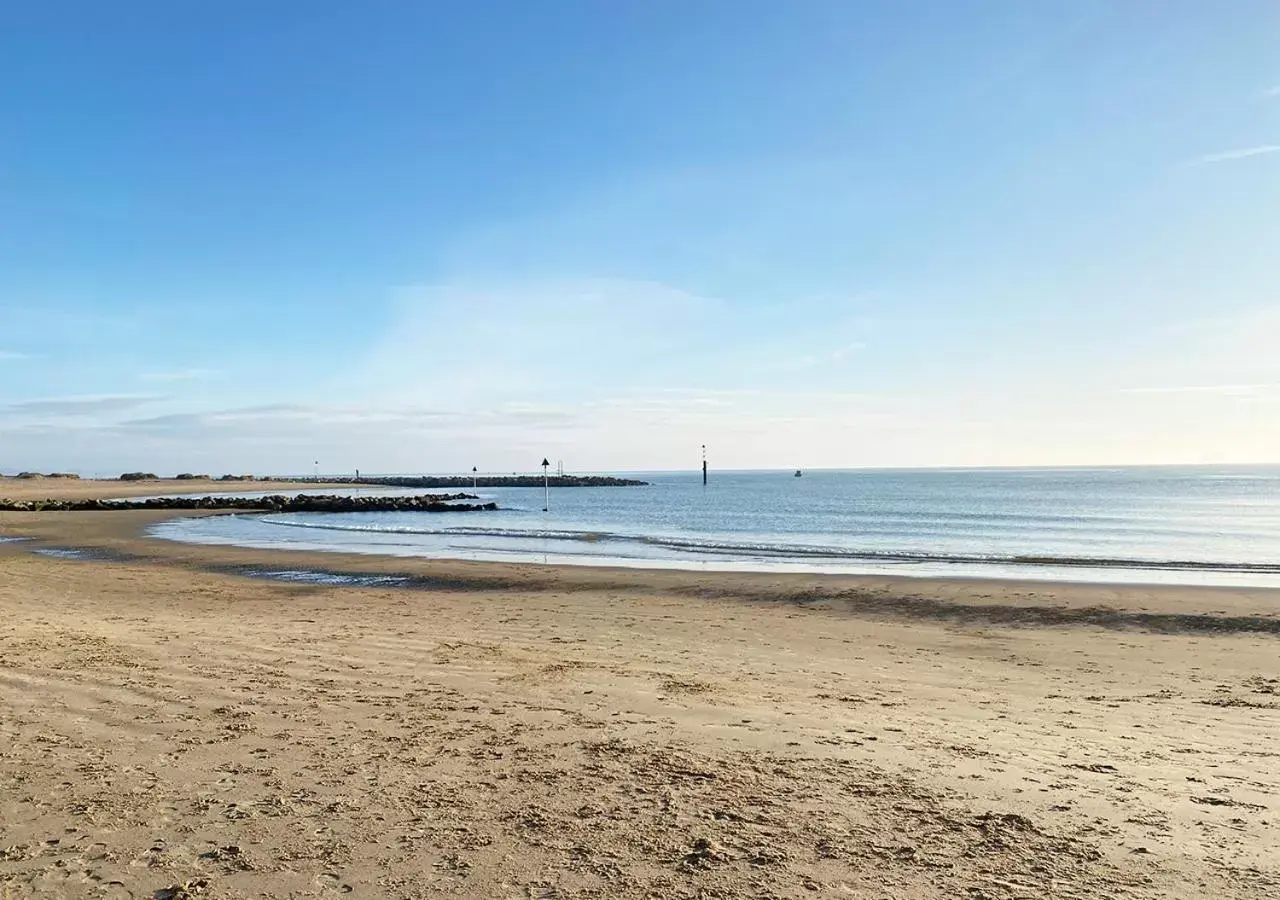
column 176, row 715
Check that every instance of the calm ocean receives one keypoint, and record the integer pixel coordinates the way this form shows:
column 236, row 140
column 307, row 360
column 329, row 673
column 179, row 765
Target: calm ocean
column 1194, row 525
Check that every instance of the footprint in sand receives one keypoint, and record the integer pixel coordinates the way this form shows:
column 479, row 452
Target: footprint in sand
column 333, row 882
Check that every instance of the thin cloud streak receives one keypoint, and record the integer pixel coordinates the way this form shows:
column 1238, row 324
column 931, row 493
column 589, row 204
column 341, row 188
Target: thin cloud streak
column 180, row 375
column 1232, row 155
column 1200, row 389
column 289, row 417
column 13, row 354
column 79, row 406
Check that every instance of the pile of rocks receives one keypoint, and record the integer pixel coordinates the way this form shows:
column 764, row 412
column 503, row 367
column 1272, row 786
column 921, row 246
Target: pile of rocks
column 273, row 503
column 485, row 481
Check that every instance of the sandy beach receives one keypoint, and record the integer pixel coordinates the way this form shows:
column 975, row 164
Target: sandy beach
column 180, row 721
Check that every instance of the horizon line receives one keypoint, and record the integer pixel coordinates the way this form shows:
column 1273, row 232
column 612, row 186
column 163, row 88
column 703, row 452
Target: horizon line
column 693, row 471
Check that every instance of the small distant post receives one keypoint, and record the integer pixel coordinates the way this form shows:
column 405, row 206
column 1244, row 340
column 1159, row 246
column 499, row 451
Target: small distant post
column 474, row 478
column 704, row 465
column 546, row 484
column 316, row 470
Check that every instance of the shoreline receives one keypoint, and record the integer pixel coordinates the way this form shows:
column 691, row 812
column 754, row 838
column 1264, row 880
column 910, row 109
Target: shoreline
column 1030, row 570
column 1038, row 570
column 908, row 567
column 123, row 535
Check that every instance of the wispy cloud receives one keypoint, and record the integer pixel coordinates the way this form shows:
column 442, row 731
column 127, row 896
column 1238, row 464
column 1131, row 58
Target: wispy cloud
column 1226, row 389
column 556, row 336
column 180, row 375
column 809, row 360
column 848, row 349
column 1272, row 91
column 287, row 420
column 13, row 354
column 79, row 406
column 1232, row 155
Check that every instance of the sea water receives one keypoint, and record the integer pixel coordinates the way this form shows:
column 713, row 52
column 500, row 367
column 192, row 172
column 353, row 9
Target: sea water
column 1194, row 525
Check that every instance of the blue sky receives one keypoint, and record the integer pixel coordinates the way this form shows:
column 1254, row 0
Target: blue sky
column 406, row 236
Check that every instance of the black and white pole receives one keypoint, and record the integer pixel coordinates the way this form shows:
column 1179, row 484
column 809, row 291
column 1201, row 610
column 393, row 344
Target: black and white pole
column 473, row 478
column 546, row 485
column 704, row 465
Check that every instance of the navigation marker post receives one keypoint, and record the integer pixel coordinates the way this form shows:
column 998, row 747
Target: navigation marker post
column 704, row 465
column 546, row 485
column 473, row 478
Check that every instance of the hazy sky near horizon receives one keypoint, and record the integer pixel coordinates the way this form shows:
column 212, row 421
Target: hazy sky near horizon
column 418, row 236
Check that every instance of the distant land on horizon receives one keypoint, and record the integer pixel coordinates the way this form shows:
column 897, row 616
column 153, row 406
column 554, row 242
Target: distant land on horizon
column 332, row 478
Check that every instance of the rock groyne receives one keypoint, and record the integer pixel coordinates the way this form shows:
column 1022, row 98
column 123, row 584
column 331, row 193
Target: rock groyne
column 481, row 481
column 273, row 503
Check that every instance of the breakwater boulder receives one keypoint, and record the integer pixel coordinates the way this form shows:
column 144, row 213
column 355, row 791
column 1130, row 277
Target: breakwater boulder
column 273, row 503
column 484, row 481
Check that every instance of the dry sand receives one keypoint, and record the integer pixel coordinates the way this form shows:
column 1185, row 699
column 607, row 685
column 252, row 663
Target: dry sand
column 171, row 726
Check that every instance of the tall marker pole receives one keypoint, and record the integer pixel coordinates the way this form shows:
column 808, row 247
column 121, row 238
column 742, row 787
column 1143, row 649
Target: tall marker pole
column 546, row 485
column 474, row 478
column 704, row 465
